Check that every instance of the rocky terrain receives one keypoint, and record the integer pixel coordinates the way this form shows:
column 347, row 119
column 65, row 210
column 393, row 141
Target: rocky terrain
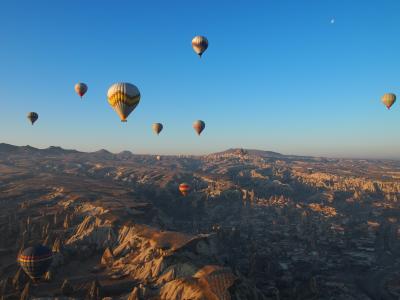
column 256, row 225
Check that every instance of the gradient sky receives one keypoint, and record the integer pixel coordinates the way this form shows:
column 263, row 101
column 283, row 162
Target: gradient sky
column 277, row 75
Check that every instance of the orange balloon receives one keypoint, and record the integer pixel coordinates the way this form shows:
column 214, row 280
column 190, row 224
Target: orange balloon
column 184, row 188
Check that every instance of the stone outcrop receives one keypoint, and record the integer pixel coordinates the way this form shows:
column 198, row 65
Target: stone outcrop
column 93, row 231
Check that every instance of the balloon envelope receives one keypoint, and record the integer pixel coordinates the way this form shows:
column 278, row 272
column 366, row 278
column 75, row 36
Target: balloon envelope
column 81, row 89
column 35, row 261
column 184, row 188
column 388, row 100
column 32, row 116
column 157, row 127
column 123, row 98
column 199, row 126
column 199, row 44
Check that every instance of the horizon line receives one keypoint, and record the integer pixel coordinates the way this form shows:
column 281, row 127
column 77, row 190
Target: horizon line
column 213, row 153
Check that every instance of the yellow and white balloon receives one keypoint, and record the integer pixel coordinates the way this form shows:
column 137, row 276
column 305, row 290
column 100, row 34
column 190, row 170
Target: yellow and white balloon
column 123, row 98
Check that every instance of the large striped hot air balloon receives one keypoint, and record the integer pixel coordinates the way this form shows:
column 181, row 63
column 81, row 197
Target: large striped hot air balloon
column 157, row 127
column 199, row 126
column 81, row 89
column 199, row 44
column 35, row 261
column 32, row 116
column 184, row 188
column 123, row 97
column 388, row 100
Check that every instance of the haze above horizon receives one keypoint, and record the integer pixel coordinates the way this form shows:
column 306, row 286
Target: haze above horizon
column 278, row 75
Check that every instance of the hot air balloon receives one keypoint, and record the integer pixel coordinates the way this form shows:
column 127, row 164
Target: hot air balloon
column 388, row 99
column 199, row 44
column 81, row 89
column 158, row 157
column 157, row 127
column 199, row 126
column 35, row 261
column 32, row 116
column 184, row 188
column 123, row 97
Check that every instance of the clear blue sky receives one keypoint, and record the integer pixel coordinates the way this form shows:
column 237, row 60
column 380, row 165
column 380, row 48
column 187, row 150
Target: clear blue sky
column 277, row 75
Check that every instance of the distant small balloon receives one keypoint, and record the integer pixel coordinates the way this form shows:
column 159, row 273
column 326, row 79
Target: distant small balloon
column 199, row 44
column 199, row 126
column 32, row 116
column 184, row 188
column 388, row 100
column 81, row 89
column 158, row 157
column 157, row 127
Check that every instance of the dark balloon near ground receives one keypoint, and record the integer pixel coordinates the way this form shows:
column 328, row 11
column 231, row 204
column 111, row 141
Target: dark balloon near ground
column 184, row 188
column 35, row 261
